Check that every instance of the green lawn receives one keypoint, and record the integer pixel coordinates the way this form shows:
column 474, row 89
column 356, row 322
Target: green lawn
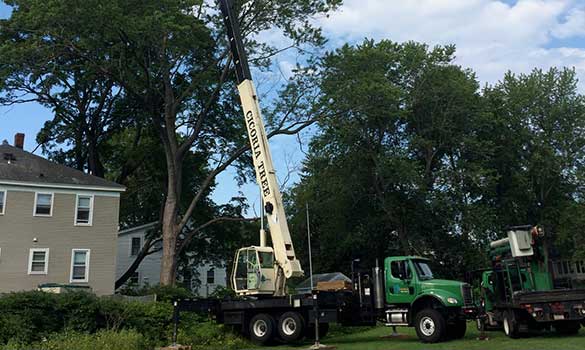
column 377, row 338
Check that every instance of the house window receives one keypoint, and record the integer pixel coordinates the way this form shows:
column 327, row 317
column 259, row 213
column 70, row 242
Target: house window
column 210, row 276
column 44, row 204
column 38, row 261
column 80, row 265
column 135, row 246
column 135, row 279
column 2, row 202
column 84, row 211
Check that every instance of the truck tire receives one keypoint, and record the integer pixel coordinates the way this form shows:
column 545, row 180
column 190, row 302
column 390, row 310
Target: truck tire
column 323, row 330
column 567, row 327
column 430, row 326
column 457, row 329
column 261, row 329
column 510, row 324
column 290, row 326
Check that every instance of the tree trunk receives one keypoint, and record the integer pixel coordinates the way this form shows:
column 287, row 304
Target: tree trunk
column 168, row 271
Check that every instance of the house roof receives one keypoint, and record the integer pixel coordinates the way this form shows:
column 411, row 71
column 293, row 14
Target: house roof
column 18, row 167
column 137, row 228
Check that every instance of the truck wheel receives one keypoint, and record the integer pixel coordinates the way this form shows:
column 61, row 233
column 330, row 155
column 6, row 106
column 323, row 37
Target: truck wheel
column 510, row 325
column 567, row 327
column 290, row 327
column 430, row 326
column 261, row 329
column 323, row 330
column 457, row 329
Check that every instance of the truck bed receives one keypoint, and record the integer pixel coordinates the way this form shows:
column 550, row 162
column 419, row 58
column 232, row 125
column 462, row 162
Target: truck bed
column 558, row 295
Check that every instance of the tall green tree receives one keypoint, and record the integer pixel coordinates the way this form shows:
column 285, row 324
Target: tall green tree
column 378, row 174
column 538, row 125
column 170, row 59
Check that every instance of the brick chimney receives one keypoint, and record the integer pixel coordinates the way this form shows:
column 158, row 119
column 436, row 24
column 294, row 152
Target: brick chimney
column 19, row 140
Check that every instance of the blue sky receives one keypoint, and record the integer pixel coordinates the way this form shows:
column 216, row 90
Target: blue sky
column 491, row 37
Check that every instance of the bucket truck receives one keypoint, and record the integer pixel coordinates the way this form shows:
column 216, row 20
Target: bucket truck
column 518, row 292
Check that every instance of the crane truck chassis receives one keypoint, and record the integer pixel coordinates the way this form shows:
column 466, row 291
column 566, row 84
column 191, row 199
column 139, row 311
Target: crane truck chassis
column 401, row 293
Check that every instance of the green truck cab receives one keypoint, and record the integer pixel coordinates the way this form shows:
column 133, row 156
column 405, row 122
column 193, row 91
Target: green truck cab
column 437, row 308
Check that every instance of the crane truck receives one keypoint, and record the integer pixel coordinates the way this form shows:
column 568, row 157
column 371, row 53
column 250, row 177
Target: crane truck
column 518, row 291
column 403, row 292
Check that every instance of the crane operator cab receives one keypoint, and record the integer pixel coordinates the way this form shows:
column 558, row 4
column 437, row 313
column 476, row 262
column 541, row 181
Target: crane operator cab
column 254, row 271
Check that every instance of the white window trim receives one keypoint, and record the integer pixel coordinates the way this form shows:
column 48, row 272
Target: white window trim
column 87, row 260
column 90, row 223
column 4, row 204
column 35, row 206
column 30, row 261
column 140, row 248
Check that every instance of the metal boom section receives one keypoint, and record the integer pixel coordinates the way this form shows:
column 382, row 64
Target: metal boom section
column 265, row 175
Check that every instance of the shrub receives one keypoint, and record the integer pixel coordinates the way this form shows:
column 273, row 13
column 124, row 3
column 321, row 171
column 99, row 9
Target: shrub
column 208, row 334
column 103, row 340
column 68, row 321
column 163, row 293
column 28, row 317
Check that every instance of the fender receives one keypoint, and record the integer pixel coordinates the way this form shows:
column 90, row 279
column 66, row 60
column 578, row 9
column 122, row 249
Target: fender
column 441, row 296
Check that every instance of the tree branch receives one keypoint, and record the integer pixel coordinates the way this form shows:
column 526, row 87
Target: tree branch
column 189, row 236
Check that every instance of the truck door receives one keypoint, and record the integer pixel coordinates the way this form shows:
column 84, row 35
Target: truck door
column 400, row 282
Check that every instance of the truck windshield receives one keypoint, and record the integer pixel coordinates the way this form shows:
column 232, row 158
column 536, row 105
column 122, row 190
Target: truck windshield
column 423, row 270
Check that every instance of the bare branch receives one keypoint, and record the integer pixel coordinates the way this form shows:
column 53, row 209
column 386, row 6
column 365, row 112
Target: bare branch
column 189, row 236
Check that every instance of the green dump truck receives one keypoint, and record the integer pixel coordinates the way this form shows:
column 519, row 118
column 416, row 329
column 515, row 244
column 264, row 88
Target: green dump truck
column 518, row 292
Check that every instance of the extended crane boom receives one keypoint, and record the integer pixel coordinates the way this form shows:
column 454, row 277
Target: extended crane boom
column 260, row 270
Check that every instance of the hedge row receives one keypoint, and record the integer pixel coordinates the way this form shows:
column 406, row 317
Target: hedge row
column 29, row 317
column 103, row 340
column 80, row 320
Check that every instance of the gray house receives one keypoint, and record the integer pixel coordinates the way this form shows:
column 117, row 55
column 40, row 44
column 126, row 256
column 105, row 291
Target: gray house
column 207, row 277
column 58, row 225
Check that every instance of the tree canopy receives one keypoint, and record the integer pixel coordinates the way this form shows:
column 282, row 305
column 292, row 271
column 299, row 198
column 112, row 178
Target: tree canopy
column 418, row 159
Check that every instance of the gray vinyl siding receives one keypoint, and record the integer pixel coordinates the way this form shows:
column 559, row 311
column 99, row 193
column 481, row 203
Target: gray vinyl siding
column 149, row 269
column 19, row 227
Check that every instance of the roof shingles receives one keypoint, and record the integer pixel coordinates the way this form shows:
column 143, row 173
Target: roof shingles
column 17, row 165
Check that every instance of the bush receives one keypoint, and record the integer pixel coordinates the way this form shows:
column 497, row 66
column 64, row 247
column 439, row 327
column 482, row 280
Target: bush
column 67, row 321
column 28, row 317
column 207, row 334
column 103, row 340
column 163, row 293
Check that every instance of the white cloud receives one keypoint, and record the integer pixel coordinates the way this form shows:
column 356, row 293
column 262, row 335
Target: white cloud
column 491, row 36
column 573, row 25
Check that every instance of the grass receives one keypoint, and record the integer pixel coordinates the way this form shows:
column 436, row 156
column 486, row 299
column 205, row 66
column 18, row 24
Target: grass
column 378, row 339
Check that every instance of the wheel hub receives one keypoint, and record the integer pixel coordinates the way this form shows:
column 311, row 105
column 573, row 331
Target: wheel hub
column 260, row 328
column 289, row 326
column 427, row 326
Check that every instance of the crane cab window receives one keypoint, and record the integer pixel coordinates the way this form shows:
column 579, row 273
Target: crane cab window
column 248, row 270
column 266, row 260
